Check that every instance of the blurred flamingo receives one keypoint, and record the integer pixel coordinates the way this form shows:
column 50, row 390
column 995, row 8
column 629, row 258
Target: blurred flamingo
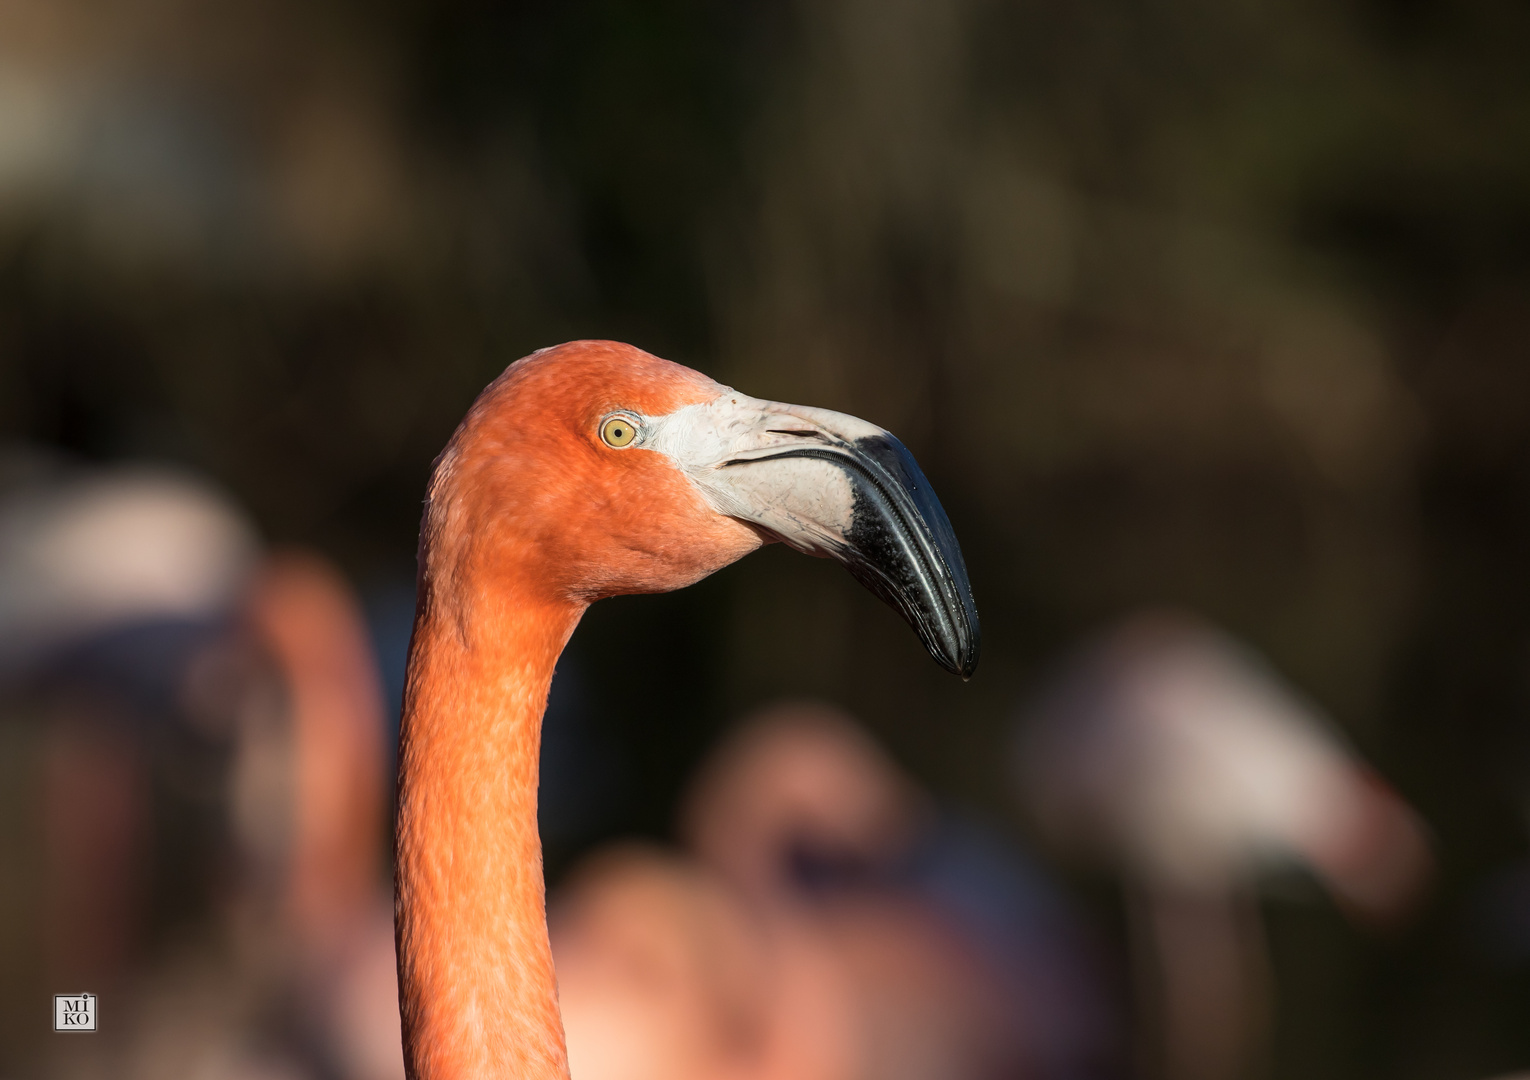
column 962, row 960
column 667, row 972
column 199, row 698
column 1171, row 752
column 837, row 925
column 110, row 580
column 332, row 902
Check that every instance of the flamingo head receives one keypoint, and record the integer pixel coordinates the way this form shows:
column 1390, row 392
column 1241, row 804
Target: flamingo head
column 612, row 471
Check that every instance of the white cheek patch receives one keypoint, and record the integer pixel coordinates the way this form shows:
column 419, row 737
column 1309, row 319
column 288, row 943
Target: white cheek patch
column 806, row 502
column 695, row 436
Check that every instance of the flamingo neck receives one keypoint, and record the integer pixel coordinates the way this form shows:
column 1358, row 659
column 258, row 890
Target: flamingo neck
column 476, row 983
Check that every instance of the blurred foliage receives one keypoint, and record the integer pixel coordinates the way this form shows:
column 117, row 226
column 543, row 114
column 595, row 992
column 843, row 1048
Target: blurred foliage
column 1218, row 305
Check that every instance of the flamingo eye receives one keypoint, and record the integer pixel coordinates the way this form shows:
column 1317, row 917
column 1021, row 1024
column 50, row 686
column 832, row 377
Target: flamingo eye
column 618, row 431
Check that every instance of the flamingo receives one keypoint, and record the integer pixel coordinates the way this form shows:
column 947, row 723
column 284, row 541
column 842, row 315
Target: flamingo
column 587, row 470
column 1172, row 751
column 961, row 960
column 665, row 970
column 333, row 906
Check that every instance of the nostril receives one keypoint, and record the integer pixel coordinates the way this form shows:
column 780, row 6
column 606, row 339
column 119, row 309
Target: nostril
column 795, row 431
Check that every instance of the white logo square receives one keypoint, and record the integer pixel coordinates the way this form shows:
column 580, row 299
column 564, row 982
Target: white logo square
column 74, row 1012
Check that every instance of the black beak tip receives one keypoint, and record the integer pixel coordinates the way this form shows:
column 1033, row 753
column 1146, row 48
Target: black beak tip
column 964, row 667
column 961, row 655
column 907, row 553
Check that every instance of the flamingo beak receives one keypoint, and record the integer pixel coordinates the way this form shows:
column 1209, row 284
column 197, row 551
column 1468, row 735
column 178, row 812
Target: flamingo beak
column 834, row 486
